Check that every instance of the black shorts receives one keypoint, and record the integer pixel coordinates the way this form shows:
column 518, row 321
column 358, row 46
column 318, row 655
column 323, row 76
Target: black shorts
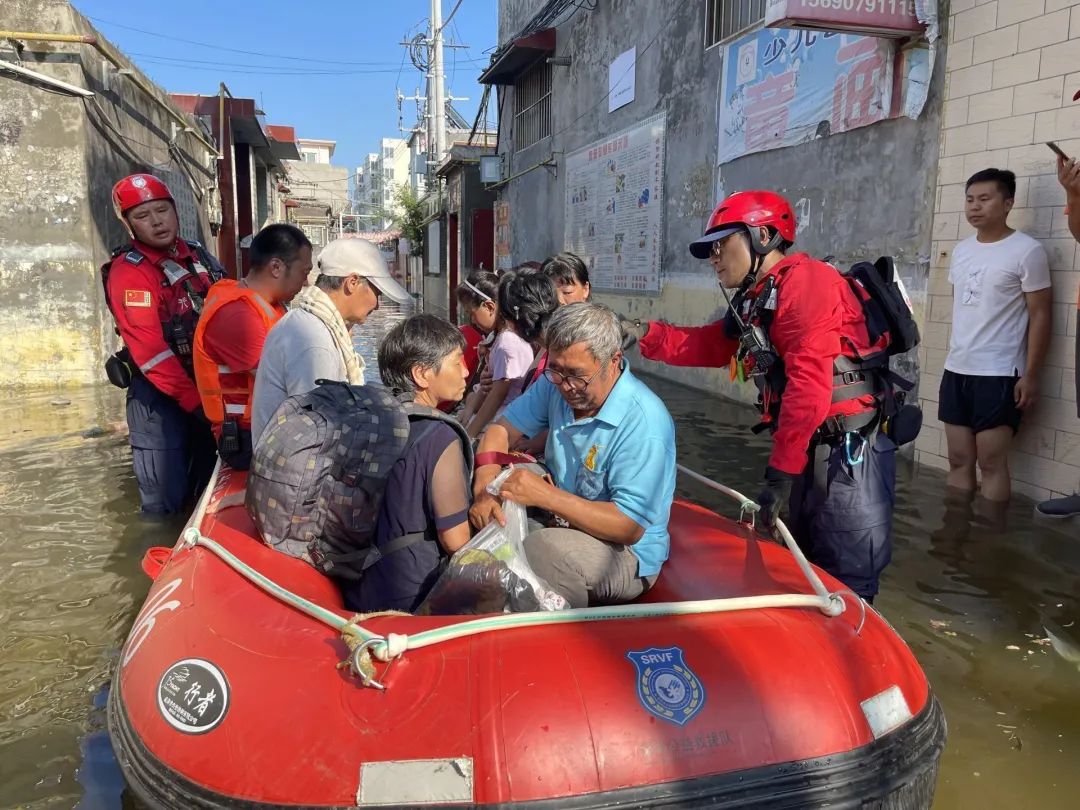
column 977, row 402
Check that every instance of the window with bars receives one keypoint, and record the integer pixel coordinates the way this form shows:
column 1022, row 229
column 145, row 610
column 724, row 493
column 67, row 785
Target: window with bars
column 532, row 105
column 726, row 18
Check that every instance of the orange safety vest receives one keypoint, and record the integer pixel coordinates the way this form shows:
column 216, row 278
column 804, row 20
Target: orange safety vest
column 208, row 372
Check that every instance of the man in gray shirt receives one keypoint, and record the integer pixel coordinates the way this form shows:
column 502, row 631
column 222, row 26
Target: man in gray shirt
column 312, row 341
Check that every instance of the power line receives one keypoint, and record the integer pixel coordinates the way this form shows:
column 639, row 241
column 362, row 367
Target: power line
column 173, row 38
column 155, row 60
column 216, row 63
column 453, row 11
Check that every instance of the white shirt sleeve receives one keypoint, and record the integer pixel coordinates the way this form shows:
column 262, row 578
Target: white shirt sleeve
column 1035, row 270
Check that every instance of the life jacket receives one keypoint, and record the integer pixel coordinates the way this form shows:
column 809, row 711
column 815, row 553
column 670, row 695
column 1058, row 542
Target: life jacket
column 891, row 329
column 208, row 372
column 192, row 281
column 318, row 473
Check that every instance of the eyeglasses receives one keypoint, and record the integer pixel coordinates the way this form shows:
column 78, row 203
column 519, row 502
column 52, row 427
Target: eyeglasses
column 718, row 246
column 574, row 382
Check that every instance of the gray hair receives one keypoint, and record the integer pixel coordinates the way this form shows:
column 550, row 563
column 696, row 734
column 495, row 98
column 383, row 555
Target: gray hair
column 330, row 283
column 595, row 325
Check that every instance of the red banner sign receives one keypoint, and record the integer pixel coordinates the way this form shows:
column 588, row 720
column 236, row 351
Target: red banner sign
column 888, row 18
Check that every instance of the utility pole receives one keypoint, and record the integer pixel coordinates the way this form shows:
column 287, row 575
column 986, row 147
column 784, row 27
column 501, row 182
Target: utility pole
column 436, row 86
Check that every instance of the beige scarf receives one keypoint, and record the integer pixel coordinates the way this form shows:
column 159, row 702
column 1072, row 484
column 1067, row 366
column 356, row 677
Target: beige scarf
column 314, row 300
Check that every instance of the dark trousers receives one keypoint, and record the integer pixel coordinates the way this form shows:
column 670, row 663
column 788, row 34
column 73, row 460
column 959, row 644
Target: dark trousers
column 841, row 514
column 173, row 452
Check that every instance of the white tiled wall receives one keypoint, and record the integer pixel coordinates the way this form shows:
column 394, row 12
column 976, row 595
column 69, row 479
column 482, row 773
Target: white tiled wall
column 1012, row 69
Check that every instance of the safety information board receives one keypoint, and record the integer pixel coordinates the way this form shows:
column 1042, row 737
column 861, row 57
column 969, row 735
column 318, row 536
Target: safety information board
column 615, row 207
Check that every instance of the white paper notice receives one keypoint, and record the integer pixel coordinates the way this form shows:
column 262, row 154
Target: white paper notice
column 621, row 79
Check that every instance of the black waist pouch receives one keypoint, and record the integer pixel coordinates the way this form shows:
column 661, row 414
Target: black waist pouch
column 120, row 369
column 903, row 427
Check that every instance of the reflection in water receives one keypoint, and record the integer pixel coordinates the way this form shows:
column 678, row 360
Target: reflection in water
column 971, row 588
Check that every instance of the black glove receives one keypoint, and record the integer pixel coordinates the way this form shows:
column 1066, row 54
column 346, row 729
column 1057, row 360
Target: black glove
column 199, row 415
column 774, row 499
column 632, row 331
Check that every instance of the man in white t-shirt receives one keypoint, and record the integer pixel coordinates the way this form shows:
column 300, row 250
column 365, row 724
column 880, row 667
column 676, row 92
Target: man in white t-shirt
column 1000, row 334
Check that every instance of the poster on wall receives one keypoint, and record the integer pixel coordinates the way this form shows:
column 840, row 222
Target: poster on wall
column 502, row 235
column 786, row 86
column 615, row 207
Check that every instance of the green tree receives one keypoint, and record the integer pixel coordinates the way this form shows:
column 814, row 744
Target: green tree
column 407, row 216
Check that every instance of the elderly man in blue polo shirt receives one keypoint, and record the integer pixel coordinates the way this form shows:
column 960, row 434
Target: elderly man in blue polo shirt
column 611, row 452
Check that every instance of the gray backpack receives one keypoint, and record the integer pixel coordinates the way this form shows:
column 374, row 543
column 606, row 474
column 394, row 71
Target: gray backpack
column 319, row 471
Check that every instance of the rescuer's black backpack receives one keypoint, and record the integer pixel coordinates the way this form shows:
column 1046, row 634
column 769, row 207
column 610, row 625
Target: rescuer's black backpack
column 885, row 304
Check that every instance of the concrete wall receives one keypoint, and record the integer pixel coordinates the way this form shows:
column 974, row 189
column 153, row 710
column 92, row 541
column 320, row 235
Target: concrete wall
column 867, row 189
column 59, row 157
column 319, row 184
column 436, row 285
column 1011, row 77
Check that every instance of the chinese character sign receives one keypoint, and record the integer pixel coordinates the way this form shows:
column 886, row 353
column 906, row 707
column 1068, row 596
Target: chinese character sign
column 502, row 235
column 787, row 86
column 615, row 207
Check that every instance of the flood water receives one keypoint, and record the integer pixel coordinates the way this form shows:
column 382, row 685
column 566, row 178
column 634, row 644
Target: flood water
column 970, row 591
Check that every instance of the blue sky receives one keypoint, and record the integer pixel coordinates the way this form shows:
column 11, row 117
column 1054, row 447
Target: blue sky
column 353, row 104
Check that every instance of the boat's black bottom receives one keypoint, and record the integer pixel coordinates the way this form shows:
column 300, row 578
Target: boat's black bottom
column 897, row 772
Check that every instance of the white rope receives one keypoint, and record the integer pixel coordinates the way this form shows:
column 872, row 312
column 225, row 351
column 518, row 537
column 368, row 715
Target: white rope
column 393, row 645
column 748, row 505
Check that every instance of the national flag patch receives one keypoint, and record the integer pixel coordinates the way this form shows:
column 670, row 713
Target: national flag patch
column 137, row 298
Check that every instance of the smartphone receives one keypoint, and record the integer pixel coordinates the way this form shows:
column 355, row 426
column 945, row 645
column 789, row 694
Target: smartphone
column 1057, row 150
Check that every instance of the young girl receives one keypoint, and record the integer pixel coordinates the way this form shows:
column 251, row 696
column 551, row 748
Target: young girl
column 476, row 297
column 570, row 275
column 524, row 309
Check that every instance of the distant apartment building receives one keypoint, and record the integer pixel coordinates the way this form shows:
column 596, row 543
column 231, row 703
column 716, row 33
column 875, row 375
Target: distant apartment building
column 392, row 171
column 368, row 198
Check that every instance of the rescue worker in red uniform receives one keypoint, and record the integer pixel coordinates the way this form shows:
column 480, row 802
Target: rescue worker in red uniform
column 232, row 330
column 155, row 287
column 796, row 327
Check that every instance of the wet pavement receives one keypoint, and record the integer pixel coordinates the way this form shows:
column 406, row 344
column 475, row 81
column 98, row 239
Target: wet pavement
column 970, row 589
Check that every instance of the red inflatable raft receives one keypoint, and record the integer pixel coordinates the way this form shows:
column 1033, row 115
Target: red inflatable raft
column 229, row 695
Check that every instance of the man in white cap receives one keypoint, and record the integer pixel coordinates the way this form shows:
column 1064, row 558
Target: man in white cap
column 312, row 341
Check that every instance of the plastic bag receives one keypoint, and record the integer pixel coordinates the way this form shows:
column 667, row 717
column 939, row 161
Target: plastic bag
column 490, row 573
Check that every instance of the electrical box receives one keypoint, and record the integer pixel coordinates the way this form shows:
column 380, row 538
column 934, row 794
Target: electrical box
column 491, row 169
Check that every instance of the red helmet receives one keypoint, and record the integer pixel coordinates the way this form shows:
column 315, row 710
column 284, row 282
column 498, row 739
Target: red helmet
column 743, row 210
column 136, row 189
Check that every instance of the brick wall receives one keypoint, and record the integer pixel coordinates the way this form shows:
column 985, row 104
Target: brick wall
column 1012, row 68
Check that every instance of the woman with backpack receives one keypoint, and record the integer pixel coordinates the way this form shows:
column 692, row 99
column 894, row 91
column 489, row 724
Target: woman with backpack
column 423, row 518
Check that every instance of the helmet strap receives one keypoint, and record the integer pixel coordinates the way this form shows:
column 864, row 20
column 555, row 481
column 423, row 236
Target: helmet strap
column 758, row 252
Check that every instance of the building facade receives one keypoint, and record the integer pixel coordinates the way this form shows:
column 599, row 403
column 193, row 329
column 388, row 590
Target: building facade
column 369, row 193
column 461, row 228
column 250, row 174
column 319, row 190
column 79, row 117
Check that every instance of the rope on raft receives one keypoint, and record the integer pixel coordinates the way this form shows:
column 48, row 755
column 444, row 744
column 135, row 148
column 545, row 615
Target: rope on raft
column 366, row 647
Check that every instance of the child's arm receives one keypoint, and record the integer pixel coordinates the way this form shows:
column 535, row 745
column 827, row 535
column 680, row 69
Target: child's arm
column 491, row 404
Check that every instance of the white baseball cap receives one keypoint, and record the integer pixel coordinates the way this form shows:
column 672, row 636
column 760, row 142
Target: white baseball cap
column 348, row 257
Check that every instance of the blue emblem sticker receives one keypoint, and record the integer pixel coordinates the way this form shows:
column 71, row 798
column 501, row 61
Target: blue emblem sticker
column 666, row 685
